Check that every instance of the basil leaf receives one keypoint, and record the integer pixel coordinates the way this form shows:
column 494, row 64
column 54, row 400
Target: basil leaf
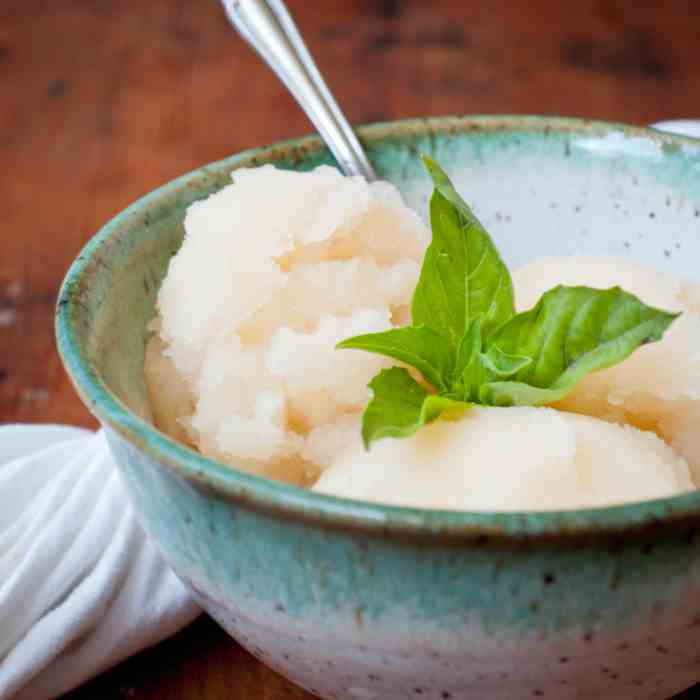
column 469, row 369
column 441, row 406
column 395, row 409
column 400, row 406
column 469, row 347
column 463, row 276
column 501, row 364
column 420, row 347
column 475, row 368
column 569, row 333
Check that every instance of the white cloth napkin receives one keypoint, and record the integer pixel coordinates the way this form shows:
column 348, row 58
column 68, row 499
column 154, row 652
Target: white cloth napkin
column 81, row 586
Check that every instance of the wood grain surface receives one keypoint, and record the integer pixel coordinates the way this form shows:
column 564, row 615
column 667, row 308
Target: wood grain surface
column 101, row 101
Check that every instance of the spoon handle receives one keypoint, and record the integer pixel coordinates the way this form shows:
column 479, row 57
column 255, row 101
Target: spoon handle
column 268, row 27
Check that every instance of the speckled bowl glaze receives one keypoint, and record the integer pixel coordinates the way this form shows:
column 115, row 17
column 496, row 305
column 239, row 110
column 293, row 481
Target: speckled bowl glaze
column 352, row 600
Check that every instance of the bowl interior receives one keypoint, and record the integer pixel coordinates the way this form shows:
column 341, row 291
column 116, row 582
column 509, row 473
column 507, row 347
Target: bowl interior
column 541, row 187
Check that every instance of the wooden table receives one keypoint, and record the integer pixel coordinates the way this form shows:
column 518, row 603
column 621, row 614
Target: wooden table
column 101, row 101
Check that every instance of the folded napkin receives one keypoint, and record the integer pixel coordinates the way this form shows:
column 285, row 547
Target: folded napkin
column 81, row 587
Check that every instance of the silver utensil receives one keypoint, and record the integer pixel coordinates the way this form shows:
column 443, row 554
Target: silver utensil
column 268, row 27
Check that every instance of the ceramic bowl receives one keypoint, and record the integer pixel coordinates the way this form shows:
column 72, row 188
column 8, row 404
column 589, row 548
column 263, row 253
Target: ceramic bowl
column 352, row 600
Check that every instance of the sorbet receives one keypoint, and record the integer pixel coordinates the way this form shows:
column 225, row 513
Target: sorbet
column 510, row 459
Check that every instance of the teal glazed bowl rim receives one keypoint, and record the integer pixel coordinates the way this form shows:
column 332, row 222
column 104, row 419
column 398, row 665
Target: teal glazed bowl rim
column 299, row 504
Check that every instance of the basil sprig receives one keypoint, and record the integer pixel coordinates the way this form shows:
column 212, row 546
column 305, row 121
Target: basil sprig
column 470, row 346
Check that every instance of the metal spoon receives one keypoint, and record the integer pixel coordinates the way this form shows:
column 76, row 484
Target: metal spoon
column 268, row 27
